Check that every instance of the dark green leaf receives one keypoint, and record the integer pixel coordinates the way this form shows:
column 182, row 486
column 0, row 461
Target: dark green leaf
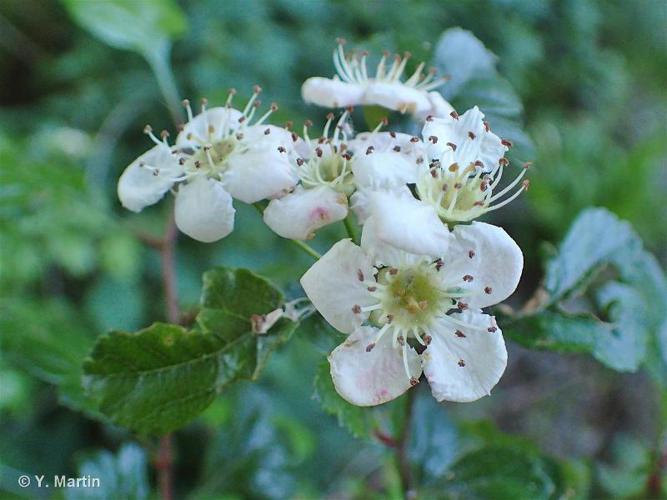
column 159, row 378
column 128, row 24
column 121, row 475
column 359, row 421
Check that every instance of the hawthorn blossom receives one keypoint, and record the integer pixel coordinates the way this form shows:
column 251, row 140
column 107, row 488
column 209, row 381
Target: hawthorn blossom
column 464, row 165
column 220, row 154
column 407, row 314
column 352, row 85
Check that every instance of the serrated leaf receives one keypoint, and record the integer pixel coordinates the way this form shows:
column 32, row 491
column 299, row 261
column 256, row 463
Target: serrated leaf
column 359, row 421
column 161, row 377
column 128, row 24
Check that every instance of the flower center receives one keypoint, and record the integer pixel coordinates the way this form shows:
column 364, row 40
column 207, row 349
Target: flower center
column 211, row 158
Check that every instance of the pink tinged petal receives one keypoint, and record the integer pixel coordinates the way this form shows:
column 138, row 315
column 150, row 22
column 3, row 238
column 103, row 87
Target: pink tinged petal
column 384, row 169
column 299, row 214
column 335, row 285
column 461, row 363
column 397, row 97
column 204, row 210
column 208, row 127
column 439, row 106
column 331, row 93
column 409, row 224
column 491, row 257
column 369, row 377
column 146, row 180
column 259, row 174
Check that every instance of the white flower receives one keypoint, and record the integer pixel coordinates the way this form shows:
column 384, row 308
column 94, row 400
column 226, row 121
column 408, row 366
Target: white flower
column 326, row 181
column 352, row 85
column 393, row 311
column 220, row 153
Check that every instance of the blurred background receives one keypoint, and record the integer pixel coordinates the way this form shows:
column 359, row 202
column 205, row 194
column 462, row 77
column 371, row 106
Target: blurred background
column 589, row 81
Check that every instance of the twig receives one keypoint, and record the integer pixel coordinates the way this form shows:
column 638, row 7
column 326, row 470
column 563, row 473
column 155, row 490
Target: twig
column 163, row 465
column 404, row 469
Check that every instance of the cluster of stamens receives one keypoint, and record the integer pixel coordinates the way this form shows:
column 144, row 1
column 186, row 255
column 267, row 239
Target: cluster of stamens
column 352, row 68
column 409, row 302
column 329, row 162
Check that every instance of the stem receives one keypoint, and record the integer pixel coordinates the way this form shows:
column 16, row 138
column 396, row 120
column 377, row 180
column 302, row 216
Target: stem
column 167, row 251
column 403, row 441
column 347, row 222
column 163, row 465
column 158, row 60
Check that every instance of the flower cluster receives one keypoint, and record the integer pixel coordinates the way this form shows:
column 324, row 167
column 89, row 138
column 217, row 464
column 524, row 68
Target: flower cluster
column 410, row 295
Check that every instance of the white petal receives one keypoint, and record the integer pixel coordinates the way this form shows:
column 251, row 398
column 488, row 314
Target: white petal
column 408, row 224
column 464, row 368
column 208, row 127
column 331, row 93
column 333, row 286
column 383, row 169
column 380, row 252
column 496, row 262
column 146, row 180
column 255, row 175
column 387, row 141
column 397, row 97
column 469, row 134
column 299, row 214
column 439, row 107
column 371, row 378
column 204, row 210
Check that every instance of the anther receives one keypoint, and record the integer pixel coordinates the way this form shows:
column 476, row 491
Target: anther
column 471, row 253
column 461, row 363
column 454, row 115
column 401, row 340
column 392, row 134
column 454, row 167
column 423, row 304
column 281, row 149
column 267, row 131
column 414, row 139
column 506, row 143
column 369, row 347
column 503, row 161
column 393, row 271
column 390, row 318
column 427, row 339
column 257, row 89
column 492, row 329
column 369, row 150
column 318, row 152
column 467, row 278
column 452, row 145
column 148, row 129
column 341, row 41
column 356, row 309
column 429, row 118
column 459, row 334
column 372, row 288
column 433, row 139
column 526, row 184
column 330, row 116
column 299, row 161
column 478, row 163
column 413, row 381
column 397, row 149
column 471, row 135
column 438, row 264
column 274, row 107
column 486, row 126
column 488, row 290
column 360, row 275
column 197, row 164
column 294, row 137
column 308, row 123
column 164, row 134
column 461, row 305
column 458, row 185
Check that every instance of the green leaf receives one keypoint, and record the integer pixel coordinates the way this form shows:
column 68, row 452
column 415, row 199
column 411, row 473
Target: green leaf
column 128, row 24
column 359, row 421
column 614, row 345
column 121, row 475
column 161, row 377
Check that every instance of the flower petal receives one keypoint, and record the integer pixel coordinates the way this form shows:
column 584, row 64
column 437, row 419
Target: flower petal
column 204, row 209
column 334, row 286
column 439, row 107
column 299, row 214
column 468, row 133
column 258, row 174
column 384, row 169
column 496, row 263
column 331, row 93
column 397, row 97
column 374, row 377
column 380, row 252
column 208, row 127
column 408, row 224
column 146, row 180
column 464, row 363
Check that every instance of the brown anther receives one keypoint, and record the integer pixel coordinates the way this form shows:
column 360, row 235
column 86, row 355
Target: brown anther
column 289, row 124
column 414, row 139
column 242, row 119
column 330, row 116
column 257, row 103
column 281, row 149
column 459, row 334
column 294, row 137
column 458, row 185
column 356, row 309
column 346, row 156
column 164, row 134
column 148, row 129
column 239, row 136
column 478, row 163
column 527, row 164
column 429, row 118
column 350, row 109
column 467, row 278
column 503, row 161
column 393, row 271
column 257, row 89
column 427, row 339
column 462, row 363
column 438, row 264
column 231, row 91
column 486, row 126
column 488, row 290
column 423, row 304
column 267, row 131
column 372, row 288
column 471, row 253
column 385, row 121
column 299, row 161
column 197, row 164
column 204, row 101
column 471, row 135
column 156, row 172
column 461, row 305
column 181, row 161
column 454, row 115
column 483, row 186
column 420, row 160
column 454, row 167
column 434, row 173
column 526, row 184
column 274, row 106
column 318, row 152
column 308, row 123
column 369, row 150
column 492, row 329
column 392, row 134
column 341, row 41
column 390, row 318
column 506, row 143
column 360, row 275
column 433, row 139
column 407, row 55
column 185, row 103
column 211, row 129
column 401, row 340
column 413, row 381
column 397, row 149
column 478, row 204
column 369, row 347
column 452, row 145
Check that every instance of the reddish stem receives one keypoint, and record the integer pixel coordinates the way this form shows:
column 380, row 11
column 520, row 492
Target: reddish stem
column 163, row 465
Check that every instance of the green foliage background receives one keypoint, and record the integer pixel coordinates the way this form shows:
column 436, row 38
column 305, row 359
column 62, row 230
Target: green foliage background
column 589, row 80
